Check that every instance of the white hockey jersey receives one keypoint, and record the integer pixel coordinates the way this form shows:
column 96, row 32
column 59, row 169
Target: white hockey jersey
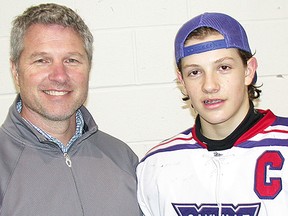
column 180, row 177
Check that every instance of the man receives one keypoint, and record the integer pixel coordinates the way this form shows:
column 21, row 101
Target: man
column 232, row 161
column 53, row 158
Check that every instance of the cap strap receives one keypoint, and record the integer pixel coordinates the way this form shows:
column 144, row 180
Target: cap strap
column 204, row 47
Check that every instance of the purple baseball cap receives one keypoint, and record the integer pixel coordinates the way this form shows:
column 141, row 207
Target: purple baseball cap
column 232, row 31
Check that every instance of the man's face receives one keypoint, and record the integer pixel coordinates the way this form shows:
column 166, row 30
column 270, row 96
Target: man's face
column 53, row 73
column 216, row 82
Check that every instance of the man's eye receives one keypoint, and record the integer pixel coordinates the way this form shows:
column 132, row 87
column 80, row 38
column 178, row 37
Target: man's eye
column 72, row 61
column 40, row 61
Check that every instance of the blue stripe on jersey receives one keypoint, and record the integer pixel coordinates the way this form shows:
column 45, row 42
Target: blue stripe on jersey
column 173, row 148
column 264, row 142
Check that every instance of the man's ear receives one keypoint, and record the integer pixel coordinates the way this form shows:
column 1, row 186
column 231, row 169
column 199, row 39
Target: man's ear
column 14, row 71
column 250, row 70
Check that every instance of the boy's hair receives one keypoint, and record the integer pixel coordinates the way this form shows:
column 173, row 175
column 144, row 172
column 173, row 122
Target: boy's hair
column 234, row 35
column 202, row 33
column 48, row 14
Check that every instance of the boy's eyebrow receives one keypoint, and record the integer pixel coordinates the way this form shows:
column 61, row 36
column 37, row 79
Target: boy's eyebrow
column 190, row 65
column 223, row 59
column 217, row 61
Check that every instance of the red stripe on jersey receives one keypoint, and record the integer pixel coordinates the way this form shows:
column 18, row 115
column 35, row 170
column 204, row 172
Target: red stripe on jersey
column 172, row 140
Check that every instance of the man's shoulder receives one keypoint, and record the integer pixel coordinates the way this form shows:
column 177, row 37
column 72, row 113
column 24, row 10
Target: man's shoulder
column 103, row 139
column 114, row 148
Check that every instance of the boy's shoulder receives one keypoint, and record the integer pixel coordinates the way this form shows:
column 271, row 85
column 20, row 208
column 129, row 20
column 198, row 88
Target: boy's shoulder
column 183, row 140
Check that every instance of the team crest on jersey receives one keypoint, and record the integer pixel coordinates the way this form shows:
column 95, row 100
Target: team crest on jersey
column 213, row 209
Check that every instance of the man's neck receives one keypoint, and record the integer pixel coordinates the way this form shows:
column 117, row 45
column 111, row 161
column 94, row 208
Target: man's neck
column 61, row 130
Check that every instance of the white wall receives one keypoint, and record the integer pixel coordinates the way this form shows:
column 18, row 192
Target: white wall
column 133, row 93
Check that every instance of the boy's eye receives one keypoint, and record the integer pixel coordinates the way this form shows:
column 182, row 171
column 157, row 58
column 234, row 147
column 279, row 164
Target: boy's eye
column 193, row 73
column 224, row 67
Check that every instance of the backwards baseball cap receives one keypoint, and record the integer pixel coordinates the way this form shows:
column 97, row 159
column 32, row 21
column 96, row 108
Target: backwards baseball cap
column 232, row 31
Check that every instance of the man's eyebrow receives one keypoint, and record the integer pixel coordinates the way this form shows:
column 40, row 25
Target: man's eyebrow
column 35, row 54
column 77, row 54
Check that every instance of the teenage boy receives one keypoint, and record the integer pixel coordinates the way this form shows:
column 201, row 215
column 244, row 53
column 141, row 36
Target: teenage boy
column 232, row 161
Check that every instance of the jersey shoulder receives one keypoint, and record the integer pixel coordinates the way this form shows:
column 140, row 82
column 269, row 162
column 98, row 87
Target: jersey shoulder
column 183, row 140
column 270, row 130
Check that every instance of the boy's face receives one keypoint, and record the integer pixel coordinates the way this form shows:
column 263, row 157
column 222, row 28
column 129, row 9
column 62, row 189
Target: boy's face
column 216, row 82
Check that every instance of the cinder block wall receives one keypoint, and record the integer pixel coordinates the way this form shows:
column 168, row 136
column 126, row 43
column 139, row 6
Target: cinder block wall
column 133, row 93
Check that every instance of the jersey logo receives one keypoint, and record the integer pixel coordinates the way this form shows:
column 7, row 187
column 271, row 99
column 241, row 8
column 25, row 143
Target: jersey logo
column 216, row 210
column 267, row 185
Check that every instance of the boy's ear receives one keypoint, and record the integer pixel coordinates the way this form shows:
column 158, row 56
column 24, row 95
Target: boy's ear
column 250, row 70
column 182, row 87
column 180, row 77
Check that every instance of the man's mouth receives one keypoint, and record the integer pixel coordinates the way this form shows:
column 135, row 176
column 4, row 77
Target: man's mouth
column 56, row 93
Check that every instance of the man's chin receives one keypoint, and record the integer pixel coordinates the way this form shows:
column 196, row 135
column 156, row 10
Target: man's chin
column 58, row 116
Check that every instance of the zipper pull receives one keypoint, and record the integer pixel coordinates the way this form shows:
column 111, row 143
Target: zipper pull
column 217, row 154
column 68, row 160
